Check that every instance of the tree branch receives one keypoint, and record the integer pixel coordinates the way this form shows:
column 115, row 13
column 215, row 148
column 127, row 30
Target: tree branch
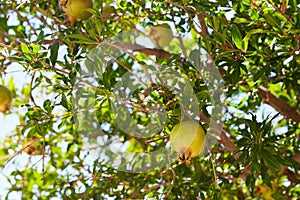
column 204, row 30
column 280, row 105
column 159, row 53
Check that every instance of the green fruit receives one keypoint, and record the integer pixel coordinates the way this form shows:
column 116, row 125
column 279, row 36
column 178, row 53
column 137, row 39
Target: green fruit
column 188, row 139
column 76, row 9
column 108, row 11
column 33, row 146
column 161, row 35
column 5, row 98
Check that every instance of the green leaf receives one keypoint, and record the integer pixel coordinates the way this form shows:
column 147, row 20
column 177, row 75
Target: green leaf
column 32, row 132
column 237, row 37
column 259, row 74
column 239, row 20
column 25, row 50
column 241, row 157
column 35, row 48
column 40, row 36
column 235, row 77
column 248, row 35
column 242, row 142
column 272, row 20
column 81, row 39
column 64, row 101
column 270, row 160
column 53, row 53
column 255, row 157
column 47, row 106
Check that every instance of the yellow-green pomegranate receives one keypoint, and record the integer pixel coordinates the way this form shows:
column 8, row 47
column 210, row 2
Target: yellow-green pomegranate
column 188, row 139
column 5, row 98
column 33, row 146
column 76, row 9
column 161, row 35
column 108, row 11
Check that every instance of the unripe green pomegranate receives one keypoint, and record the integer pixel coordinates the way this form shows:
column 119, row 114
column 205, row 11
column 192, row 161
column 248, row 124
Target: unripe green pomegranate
column 5, row 98
column 76, row 9
column 188, row 139
column 108, row 11
column 33, row 146
column 161, row 35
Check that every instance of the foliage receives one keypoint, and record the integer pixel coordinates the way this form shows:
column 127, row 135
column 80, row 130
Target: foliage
column 68, row 83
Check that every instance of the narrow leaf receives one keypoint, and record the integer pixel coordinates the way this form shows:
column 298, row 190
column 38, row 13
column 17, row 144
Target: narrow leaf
column 237, row 37
column 53, row 53
column 248, row 35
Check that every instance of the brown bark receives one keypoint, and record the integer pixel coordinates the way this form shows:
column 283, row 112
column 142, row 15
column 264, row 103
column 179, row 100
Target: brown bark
column 280, row 105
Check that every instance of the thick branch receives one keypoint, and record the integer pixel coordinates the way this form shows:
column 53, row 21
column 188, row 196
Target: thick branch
column 159, row 53
column 204, row 30
column 280, row 105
